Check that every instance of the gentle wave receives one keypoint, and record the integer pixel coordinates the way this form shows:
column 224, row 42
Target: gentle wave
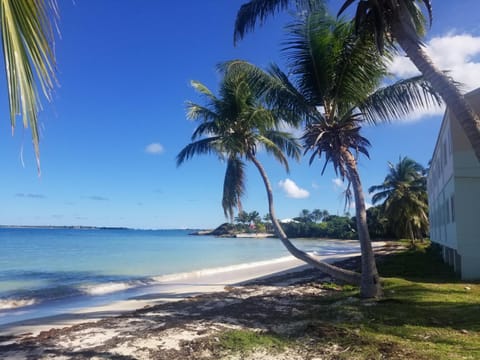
column 219, row 270
column 8, row 304
column 112, row 287
column 29, row 298
column 24, row 299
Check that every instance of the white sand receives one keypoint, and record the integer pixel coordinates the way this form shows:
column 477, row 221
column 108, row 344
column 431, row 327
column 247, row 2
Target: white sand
column 178, row 286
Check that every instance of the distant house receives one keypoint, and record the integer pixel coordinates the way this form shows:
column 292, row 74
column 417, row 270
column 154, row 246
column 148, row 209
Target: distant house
column 453, row 185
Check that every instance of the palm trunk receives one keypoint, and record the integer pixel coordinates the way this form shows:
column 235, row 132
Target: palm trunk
column 454, row 100
column 412, row 236
column 370, row 283
column 334, row 271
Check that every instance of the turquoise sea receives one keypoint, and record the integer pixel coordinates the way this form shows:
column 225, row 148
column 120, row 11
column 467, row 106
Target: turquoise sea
column 46, row 269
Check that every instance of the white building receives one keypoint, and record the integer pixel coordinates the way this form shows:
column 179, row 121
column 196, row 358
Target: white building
column 453, row 185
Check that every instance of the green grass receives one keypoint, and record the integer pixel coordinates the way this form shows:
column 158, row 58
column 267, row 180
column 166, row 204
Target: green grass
column 245, row 341
column 427, row 312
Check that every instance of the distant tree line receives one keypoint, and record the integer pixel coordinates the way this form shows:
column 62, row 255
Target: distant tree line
column 402, row 212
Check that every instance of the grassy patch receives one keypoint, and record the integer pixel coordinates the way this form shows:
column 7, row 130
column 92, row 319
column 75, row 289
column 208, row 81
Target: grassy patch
column 244, row 341
column 422, row 262
column 426, row 313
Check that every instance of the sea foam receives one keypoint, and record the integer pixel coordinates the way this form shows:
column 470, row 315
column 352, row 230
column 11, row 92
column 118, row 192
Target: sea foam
column 7, row 304
column 110, row 287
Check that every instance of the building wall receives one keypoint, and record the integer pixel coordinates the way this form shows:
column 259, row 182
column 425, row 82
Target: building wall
column 441, row 189
column 454, row 196
column 467, row 190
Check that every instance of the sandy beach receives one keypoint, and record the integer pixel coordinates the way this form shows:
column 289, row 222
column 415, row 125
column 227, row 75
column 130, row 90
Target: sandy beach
column 162, row 324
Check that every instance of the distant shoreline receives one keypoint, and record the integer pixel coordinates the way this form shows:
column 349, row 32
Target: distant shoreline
column 67, row 227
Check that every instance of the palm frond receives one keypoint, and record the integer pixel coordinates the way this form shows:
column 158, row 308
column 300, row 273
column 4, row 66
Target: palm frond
column 286, row 142
column 202, row 89
column 28, row 50
column 379, row 196
column 399, row 100
column 309, row 48
column 195, row 111
column 273, row 87
column 258, row 11
column 358, row 68
column 233, row 186
column 208, row 128
column 283, row 95
column 200, row 147
column 273, row 149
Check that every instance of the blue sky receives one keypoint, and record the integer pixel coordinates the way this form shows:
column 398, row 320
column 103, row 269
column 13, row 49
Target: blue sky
column 110, row 137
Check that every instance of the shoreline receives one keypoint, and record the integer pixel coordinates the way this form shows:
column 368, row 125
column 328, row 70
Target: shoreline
column 189, row 326
column 169, row 288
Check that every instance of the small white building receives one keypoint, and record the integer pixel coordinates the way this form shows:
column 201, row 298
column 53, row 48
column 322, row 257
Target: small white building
column 453, row 186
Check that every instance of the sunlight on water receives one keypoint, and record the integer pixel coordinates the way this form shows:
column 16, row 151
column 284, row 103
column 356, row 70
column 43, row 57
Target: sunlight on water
column 41, row 265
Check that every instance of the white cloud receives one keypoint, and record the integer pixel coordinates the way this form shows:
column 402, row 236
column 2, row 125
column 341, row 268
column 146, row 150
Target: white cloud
column 154, row 148
column 458, row 54
column 338, row 184
column 292, row 190
column 367, row 205
column 297, row 132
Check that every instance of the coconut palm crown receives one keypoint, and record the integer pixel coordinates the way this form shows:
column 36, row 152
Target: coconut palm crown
column 383, row 17
column 234, row 126
column 325, row 139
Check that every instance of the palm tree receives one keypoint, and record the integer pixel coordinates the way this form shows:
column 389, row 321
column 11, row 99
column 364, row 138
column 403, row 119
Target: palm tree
column 404, row 196
column 335, row 78
column 233, row 126
column 339, row 140
column 305, row 215
column 254, row 217
column 400, row 21
column 27, row 29
column 317, row 215
column 242, row 218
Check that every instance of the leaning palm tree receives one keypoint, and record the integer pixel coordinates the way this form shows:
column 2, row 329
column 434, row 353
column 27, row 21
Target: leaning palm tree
column 390, row 21
column 403, row 22
column 334, row 86
column 27, row 29
column 404, row 196
column 234, row 125
column 340, row 142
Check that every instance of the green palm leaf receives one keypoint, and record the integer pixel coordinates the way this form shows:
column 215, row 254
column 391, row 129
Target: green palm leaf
column 399, row 100
column 257, row 11
column 200, row 147
column 28, row 44
column 233, row 186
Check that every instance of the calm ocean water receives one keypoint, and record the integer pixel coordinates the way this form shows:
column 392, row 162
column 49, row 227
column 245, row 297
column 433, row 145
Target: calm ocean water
column 41, row 266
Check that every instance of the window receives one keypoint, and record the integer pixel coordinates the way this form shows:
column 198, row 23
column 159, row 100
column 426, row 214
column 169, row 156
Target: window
column 444, row 152
column 452, row 206
column 447, row 212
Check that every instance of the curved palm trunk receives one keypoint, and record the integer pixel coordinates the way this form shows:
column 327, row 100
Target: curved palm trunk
column 334, row 271
column 454, row 100
column 370, row 282
column 412, row 234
